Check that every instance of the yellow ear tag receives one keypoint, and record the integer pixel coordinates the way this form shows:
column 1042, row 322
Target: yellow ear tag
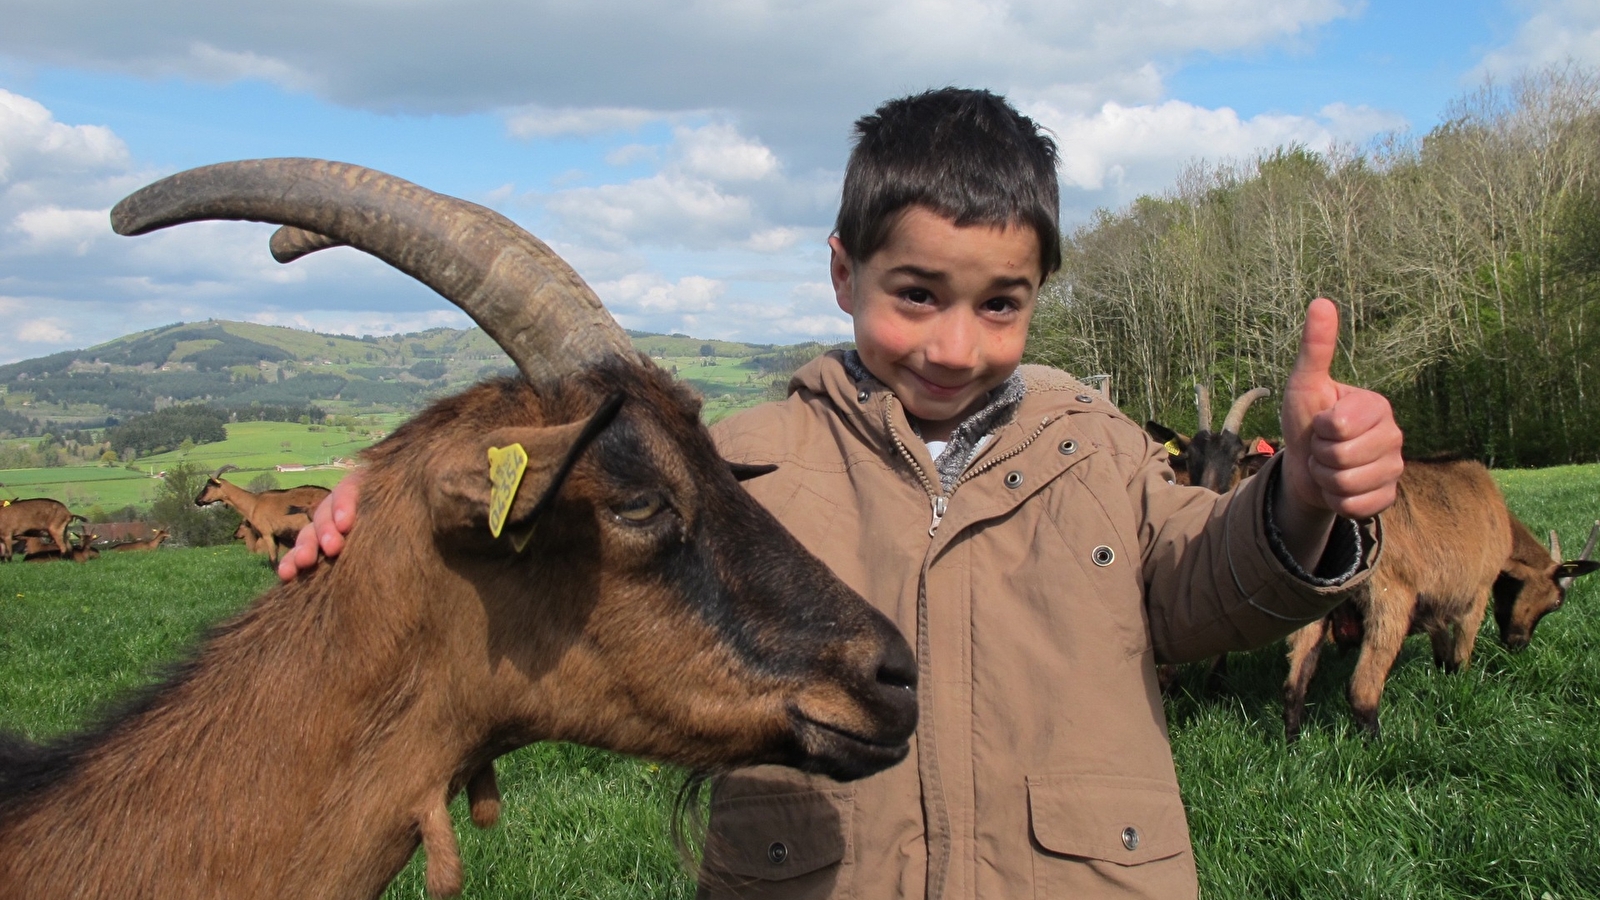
column 1172, row 447
column 506, row 465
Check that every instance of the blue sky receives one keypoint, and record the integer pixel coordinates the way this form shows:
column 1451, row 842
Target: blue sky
column 684, row 157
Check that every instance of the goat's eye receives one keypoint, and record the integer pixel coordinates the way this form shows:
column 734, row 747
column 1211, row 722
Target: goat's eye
column 642, row 508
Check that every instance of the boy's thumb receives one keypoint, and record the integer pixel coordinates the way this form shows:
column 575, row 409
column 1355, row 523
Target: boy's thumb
column 1317, row 343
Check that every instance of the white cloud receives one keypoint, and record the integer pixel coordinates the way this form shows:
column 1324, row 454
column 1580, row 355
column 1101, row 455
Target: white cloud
column 1115, row 154
column 718, row 152
column 76, row 229
column 42, row 331
column 647, row 293
column 34, row 145
column 1555, row 32
column 540, row 122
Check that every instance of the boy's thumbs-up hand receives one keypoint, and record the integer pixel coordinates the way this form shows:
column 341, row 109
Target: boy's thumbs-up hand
column 1341, row 444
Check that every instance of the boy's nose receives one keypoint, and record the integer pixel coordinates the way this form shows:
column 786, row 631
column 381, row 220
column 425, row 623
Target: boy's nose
column 954, row 343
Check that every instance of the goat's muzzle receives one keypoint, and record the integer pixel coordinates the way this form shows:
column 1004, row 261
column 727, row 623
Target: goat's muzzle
column 869, row 729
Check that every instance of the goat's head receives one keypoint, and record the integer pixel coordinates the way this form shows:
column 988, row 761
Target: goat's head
column 623, row 590
column 1535, row 584
column 212, row 491
column 1217, row 460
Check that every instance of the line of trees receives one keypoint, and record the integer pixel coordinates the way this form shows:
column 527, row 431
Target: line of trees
column 1466, row 264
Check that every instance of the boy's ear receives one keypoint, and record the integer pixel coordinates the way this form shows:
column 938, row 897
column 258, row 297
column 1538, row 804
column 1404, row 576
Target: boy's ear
column 463, row 488
column 841, row 268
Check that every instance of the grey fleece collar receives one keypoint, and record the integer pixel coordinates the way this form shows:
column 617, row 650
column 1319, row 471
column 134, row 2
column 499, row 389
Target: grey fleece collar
column 968, row 437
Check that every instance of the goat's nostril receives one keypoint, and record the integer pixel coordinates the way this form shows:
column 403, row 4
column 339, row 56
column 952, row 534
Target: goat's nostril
column 897, row 667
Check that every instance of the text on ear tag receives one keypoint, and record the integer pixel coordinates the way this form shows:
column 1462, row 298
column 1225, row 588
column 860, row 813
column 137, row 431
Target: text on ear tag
column 1172, row 447
column 506, row 465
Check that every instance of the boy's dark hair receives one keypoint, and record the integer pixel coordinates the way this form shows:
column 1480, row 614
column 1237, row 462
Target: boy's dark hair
column 965, row 154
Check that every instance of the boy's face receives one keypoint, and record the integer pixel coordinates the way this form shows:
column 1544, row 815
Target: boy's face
column 941, row 312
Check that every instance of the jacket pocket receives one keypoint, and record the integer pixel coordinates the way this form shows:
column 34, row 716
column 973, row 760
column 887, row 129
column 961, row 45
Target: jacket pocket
column 790, row 845
column 1099, row 833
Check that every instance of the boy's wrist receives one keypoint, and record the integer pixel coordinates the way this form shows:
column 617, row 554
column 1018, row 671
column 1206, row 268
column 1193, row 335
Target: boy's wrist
column 1312, row 543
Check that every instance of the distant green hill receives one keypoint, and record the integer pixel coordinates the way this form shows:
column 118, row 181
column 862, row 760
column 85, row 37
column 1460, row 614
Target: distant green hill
column 241, row 365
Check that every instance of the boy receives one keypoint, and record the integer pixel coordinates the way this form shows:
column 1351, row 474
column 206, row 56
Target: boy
column 1026, row 537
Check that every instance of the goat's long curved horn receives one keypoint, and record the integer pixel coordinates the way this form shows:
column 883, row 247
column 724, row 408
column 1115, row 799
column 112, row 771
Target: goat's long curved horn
column 1202, row 402
column 230, row 467
column 1555, row 546
column 1235, row 418
column 517, row 289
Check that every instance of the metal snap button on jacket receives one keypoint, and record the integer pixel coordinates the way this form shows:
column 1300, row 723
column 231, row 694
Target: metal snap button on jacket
column 1085, row 398
column 1103, row 555
column 1130, row 838
column 1068, row 448
column 778, row 852
column 1013, row 479
column 863, row 396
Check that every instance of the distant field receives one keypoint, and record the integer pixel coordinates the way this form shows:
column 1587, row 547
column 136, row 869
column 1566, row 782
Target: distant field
column 1485, row 785
column 255, row 447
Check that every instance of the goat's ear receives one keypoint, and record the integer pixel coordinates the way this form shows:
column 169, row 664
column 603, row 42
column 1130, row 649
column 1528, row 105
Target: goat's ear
column 462, row 488
column 1177, row 444
column 1576, row 567
column 746, row 471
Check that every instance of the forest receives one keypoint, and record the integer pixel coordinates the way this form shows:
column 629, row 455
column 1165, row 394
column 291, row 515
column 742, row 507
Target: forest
column 1465, row 263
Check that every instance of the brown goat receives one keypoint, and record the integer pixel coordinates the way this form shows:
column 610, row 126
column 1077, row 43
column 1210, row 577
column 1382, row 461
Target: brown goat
column 39, row 514
column 1449, row 543
column 252, row 540
column 275, row 515
column 635, row 598
column 141, row 546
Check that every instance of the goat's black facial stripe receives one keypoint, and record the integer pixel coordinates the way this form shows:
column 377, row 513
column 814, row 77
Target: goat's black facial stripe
column 597, row 423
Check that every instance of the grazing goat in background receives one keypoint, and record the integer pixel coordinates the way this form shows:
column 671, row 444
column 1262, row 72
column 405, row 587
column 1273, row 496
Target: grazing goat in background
column 1449, row 543
column 39, row 514
column 624, row 592
column 275, row 515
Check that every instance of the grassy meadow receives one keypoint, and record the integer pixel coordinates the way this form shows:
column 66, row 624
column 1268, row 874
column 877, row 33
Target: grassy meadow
column 1485, row 784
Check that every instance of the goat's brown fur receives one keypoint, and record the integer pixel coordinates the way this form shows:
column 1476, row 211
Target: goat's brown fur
column 1449, row 542
column 275, row 515
column 312, row 742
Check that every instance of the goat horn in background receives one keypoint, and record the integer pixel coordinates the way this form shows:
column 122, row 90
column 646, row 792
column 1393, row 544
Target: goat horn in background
column 1202, row 402
column 1588, row 546
column 290, row 243
column 230, row 467
column 1555, row 546
column 517, row 289
column 1235, row 418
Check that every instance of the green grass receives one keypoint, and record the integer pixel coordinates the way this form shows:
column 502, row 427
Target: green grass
column 1485, row 784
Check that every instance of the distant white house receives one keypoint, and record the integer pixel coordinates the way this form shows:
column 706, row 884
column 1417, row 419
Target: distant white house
column 292, row 467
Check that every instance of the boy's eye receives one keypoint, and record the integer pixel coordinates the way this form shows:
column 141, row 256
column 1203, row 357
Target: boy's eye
column 1000, row 304
column 917, row 295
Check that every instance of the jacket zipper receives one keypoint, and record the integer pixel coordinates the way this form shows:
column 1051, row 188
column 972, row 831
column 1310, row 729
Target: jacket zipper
column 937, row 500
column 941, row 502
column 988, row 464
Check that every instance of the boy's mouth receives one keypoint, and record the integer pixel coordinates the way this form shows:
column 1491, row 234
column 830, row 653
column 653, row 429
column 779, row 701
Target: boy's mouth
column 937, row 390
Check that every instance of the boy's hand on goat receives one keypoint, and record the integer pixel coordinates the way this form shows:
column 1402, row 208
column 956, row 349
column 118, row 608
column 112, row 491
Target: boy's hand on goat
column 1341, row 444
column 330, row 522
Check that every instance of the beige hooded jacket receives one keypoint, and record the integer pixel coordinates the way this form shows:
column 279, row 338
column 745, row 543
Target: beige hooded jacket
column 1064, row 566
